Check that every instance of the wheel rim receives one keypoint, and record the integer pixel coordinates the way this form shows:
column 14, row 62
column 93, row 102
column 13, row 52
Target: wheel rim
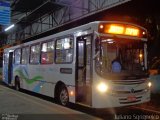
column 64, row 97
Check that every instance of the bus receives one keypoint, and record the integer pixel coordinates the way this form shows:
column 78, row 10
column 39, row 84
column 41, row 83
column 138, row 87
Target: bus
column 101, row 64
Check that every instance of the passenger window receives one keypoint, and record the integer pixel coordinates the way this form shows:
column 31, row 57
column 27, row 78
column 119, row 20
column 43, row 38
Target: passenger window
column 64, row 50
column 25, row 55
column 17, row 56
column 35, row 54
column 47, row 53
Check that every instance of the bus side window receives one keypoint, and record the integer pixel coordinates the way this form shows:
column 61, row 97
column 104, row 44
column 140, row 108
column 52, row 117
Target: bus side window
column 47, row 53
column 64, row 50
column 25, row 55
column 17, row 56
column 35, row 54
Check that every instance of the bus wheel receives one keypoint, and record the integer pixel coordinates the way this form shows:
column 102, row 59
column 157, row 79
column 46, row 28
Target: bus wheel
column 17, row 83
column 63, row 97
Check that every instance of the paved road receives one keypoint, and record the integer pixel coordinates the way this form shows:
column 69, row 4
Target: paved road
column 29, row 107
column 18, row 104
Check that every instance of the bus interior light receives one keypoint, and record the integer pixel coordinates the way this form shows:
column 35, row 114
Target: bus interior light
column 66, row 45
column 11, row 50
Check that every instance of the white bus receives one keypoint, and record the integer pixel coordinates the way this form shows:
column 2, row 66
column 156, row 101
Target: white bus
column 101, row 64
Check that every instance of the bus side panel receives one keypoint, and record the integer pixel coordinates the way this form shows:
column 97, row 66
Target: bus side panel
column 43, row 78
column 40, row 79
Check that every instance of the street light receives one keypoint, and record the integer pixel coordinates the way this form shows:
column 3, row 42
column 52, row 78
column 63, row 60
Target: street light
column 8, row 28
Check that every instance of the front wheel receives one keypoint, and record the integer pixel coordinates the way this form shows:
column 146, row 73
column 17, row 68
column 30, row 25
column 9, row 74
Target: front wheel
column 63, row 97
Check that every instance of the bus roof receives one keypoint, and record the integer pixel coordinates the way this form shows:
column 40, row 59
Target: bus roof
column 91, row 26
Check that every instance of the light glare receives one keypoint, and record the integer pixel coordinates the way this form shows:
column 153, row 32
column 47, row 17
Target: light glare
column 101, row 26
column 149, row 84
column 140, row 55
column 71, row 93
column 102, row 87
column 8, row 28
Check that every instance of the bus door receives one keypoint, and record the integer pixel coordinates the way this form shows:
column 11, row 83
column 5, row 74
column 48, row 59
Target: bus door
column 83, row 70
column 10, row 62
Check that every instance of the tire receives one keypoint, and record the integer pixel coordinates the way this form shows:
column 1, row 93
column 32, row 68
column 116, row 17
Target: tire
column 17, row 83
column 63, row 96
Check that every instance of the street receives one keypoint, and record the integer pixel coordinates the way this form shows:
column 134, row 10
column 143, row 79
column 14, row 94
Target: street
column 27, row 106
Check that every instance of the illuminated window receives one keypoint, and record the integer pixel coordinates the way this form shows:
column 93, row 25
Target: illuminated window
column 17, row 56
column 25, row 55
column 64, row 50
column 35, row 54
column 47, row 53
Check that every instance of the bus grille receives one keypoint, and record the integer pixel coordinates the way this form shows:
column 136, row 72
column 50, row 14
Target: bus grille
column 128, row 92
column 129, row 82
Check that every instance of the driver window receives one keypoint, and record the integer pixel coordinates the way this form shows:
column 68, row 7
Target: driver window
column 109, row 55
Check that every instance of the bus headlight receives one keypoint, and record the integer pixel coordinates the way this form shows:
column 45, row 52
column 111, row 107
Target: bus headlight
column 102, row 87
column 149, row 84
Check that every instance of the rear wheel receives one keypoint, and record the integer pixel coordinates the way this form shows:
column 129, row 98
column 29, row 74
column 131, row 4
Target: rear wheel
column 17, row 83
column 62, row 96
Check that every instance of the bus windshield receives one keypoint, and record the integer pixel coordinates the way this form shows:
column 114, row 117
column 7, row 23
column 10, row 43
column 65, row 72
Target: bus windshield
column 121, row 59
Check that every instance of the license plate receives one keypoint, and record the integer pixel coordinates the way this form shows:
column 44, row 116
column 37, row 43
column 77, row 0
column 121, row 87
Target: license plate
column 131, row 98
